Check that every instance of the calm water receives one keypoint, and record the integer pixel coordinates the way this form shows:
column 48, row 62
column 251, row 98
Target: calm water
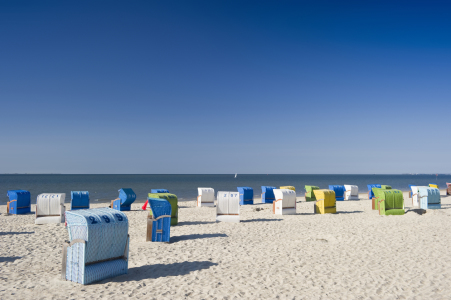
column 105, row 187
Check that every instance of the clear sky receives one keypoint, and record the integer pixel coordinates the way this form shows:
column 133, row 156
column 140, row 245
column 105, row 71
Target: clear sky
column 225, row 86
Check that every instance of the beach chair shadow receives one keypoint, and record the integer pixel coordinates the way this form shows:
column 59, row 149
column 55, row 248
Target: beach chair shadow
column 12, row 232
column 195, row 223
column 349, row 212
column 260, row 220
column 9, row 259
column 163, row 270
column 187, row 237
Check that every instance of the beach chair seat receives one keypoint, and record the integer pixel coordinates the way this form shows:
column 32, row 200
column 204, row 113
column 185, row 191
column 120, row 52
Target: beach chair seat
column 389, row 202
column 79, row 200
column 206, row 197
column 50, row 208
column 173, row 200
column 19, row 202
column 285, row 203
column 370, row 190
column 268, row 194
column 351, row 192
column 98, row 245
column 246, row 195
column 288, row 187
column 125, row 200
column 448, row 188
column 159, row 220
column 339, row 192
column 325, row 202
column 433, row 185
column 429, row 197
column 309, row 194
column 228, row 207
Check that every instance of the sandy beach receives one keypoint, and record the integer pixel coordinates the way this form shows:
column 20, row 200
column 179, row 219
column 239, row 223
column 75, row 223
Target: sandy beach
column 354, row 254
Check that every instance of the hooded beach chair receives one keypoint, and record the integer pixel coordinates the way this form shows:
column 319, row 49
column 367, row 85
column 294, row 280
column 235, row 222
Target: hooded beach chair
column 339, row 191
column 309, row 195
column 98, row 245
column 206, row 197
column 285, row 203
column 246, row 195
column 79, row 200
column 389, row 202
column 410, row 188
column 19, row 202
column 159, row 221
column 351, row 192
column 228, row 207
column 370, row 190
column 125, row 200
column 173, row 200
column 50, row 208
column 325, row 202
column 288, row 187
column 385, row 187
column 155, row 191
column 448, row 188
column 268, row 194
column 429, row 197
column 414, row 195
column 434, row 185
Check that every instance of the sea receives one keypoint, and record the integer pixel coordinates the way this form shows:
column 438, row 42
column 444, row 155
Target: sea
column 103, row 188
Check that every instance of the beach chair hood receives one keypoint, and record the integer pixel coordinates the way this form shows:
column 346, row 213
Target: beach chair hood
column 79, row 200
column 339, row 191
column 156, row 191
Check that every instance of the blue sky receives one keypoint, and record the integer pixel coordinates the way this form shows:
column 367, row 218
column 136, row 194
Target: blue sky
column 225, row 86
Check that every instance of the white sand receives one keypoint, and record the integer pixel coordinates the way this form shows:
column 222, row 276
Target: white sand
column 355, row 254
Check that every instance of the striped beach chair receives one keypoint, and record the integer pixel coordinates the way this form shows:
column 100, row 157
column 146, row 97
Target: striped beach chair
column 206, row 197
column 50, row 208
column 351, row 192
column 325, row 202
column 268, row 194
column 429, row 198
column 246, row 195
column 125, row 200
column 98, row 245
column 389, row 202
column 285, row 203
column 79, row 200
column 19, row 202
column 228, row 207
column 159, row 221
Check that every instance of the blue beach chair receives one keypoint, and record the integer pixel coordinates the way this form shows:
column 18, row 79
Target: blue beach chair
column 19, row 202
column 125, row 200
column 159, row 220
column 339, row 192
column 370, row 190
column 158, row 191
column 429, row 198
column 246, row 195
column 98, row 247
column 79, row 200
column 268, row 194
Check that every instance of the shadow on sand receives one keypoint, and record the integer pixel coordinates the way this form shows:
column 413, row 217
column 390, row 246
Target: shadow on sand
column 194, row 223
column 9, row 259
column 13, row 232
column 260, row 220
column 175, row 239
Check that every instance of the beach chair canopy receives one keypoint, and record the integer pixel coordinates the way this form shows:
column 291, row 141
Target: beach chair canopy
column 268, row 194
column 19, row 202
column 246, row 195
column 429, row 197
column 339, row 191
column 309, row 195
column 370, row 190
column 351, row 192
column 385, row 187
column 79, row 200
column 206, row 195
column 288, row 187
column 50, row 208
column 98, row 246
column 127, row 196
column 156, row 191
column 173, row 200
column 159, row 207
column 325, row 201
column 159, row 221
column 288, row 197
column 390, row 202
column 228, row 206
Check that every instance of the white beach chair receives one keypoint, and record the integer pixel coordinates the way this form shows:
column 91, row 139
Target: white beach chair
column 285, row 203
column 50, row 208
column 228, row 207
column 206, row 197
column 351, row 192
column 415, row 198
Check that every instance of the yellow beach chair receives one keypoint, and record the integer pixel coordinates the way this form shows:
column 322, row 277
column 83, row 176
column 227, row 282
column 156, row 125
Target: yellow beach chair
column 288, row 187
column 325, row 202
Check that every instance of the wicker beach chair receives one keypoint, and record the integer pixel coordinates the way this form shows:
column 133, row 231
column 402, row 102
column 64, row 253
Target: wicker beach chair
column 414, row 195
column 79, row 200
column 98, row 245
column 389, row 202
column 206, row 197
column 268, row 194
column 351, row 192
column 246, row 195
column 339, row 191
column 19, row 202
column 50, row 208
column 429, row 198
column 370, row 190
column 288, row 187
column 173, row 200
column 285, row 203
column 448, row 188
column 309, row 195
column 125, row 200
column 159, row 221
column 228, row 207
column 325, row 202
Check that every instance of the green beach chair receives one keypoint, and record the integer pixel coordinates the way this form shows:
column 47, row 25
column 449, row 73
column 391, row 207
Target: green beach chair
column 389, row 202
column 309, row 195
column 172, row 199
column 386, row 187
